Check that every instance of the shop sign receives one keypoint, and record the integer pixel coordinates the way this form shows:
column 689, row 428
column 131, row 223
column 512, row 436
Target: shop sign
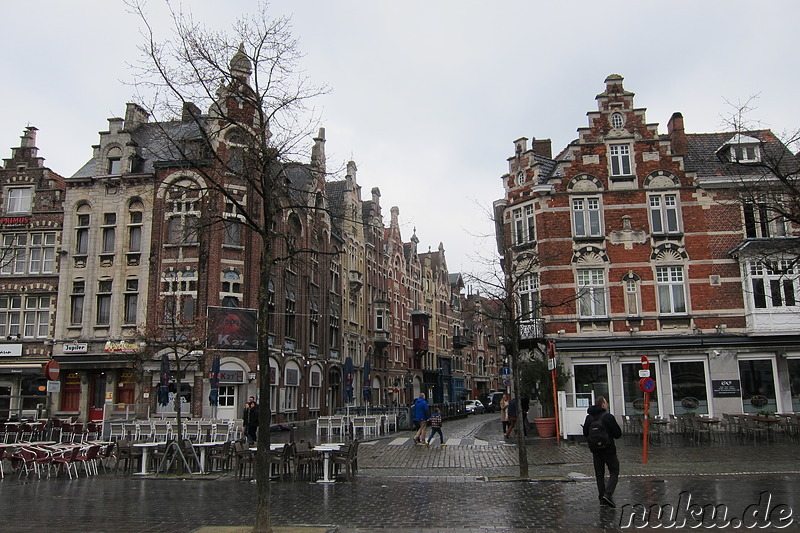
column 726, row 388
column 10, row 222
column 76, row 347
column 121, row 347
column 231, row 376
column 10, row 350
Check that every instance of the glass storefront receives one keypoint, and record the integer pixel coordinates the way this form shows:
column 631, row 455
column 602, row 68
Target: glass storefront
column 633, row 395
column 794, row 383
column 591, row 378
column 758, row 385
column 689, row 391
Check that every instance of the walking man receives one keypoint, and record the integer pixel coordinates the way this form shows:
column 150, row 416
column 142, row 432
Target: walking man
column 601, row 429
column 512, row 416
column 421, row 415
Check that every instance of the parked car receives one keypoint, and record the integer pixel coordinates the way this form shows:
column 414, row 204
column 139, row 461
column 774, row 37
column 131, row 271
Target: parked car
column 492, row 402
column 474, row 407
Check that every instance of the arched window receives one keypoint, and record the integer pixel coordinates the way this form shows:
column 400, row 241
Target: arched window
column 231, row 293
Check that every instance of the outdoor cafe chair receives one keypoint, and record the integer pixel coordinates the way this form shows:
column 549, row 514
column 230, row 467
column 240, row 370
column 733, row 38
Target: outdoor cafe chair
column 221, row 456
column 89, row 458
column 282, row 460
column 67, row 461
column 243, row 458
column 346, row 457
column 23, row 460
column 307, row 462
column 221, row 432
column 128, row 453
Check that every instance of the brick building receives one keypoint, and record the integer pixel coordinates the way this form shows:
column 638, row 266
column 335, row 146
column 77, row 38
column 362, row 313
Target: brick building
column 31, row 217
column 642, row 242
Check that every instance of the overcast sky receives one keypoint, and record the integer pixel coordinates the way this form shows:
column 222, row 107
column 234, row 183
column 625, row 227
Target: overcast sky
column 428, row 96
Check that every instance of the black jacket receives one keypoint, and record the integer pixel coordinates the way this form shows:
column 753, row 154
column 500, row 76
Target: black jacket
column 614, row 431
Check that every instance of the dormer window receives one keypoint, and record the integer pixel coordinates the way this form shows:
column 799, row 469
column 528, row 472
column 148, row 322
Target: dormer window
column 742, row 149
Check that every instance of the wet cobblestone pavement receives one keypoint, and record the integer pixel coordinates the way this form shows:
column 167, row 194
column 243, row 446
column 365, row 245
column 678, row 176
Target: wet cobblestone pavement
column 469, row 485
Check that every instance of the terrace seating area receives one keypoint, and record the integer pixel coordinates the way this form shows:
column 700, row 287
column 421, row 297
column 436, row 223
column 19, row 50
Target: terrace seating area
column 729, row 428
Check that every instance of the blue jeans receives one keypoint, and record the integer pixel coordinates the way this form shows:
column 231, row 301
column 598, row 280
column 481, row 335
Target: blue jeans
column 434, row 431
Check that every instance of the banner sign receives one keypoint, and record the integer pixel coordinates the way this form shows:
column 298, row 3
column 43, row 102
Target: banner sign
column 231, row 328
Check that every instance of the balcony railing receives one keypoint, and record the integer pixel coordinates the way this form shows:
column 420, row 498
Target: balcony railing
column 531, row 330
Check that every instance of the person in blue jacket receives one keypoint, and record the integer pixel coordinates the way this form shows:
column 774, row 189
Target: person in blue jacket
column 420, row 411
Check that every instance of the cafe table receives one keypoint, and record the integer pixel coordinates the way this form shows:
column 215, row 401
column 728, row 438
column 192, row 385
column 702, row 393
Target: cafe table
column 326, row 450
column 204, row 446
column 146, row 447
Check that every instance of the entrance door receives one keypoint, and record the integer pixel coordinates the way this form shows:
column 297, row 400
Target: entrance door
column 98, row 397
column 226, row 409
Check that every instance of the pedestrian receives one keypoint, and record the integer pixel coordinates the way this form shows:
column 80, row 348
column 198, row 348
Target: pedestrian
column 512, row 416
column 252, row 424
column 245, row 418
column 420, row 410
column 601, row 429
column 436, row 427
column 525, row 403
column 504, row 412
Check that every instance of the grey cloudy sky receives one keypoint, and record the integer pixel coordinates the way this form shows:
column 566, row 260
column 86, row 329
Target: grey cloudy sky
column 427, row 96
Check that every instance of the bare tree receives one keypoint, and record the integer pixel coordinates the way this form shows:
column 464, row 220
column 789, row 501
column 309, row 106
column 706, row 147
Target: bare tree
column 246, row 146
column 765, row 193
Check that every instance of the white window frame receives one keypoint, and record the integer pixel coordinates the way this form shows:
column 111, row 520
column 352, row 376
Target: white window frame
column 778, row 282
column 592, row 293
column 587, row 220
column 523, row 222
column 620, row 161
column 19, row 200
column 665, row 214
column 759, row 222
column 671, row 289
column 528, row 297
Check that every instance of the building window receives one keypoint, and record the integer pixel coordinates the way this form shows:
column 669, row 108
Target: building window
column 109, row 232
column 82, row 234
column 632, row 394
column 76, row 302
column 231, row 294
column 10, row 314
column 183, row 215
column 131, row 300
column 591, row 378
column 380, row 320
column 233, row 225
column 114, row 165
column 335, row 279
column 671, row 291
column 664, row 217
column 617, row 120
column 313, row 324
column 757, row 379
column 760, row 221
column 528, row 297
column 523, row 224
column 689, row 393
column 632, row 295
column 591, row 293
column 32, row 253
column 314, row 392
column 37, row 316
column 620, row 156
column 179, row 290
column 774, row 283
column 745, row 153
column 289, row 318
column 292, row 383
column 19, row 199
column 586, row 217
column 104, row 302
column 333, row 340
column 135, row 219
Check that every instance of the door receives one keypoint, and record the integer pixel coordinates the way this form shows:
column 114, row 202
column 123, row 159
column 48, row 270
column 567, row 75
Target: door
column 97, row 398
column 227, row 407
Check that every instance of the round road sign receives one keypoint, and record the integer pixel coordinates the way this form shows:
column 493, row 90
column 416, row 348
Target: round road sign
column 647, row 384
column 52, row 369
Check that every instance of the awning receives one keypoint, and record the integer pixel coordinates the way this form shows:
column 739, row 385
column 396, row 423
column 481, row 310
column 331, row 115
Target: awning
column 21, row 368
column 92, row 362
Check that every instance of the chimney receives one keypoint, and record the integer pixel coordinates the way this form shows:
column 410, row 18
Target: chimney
column 676, row 134
column 28, row 139
column 190, row 112
column 520, row 146
column 543, row 148
column 134, row 116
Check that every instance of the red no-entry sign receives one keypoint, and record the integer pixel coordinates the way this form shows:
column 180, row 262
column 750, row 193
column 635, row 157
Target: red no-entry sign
column 52, row 369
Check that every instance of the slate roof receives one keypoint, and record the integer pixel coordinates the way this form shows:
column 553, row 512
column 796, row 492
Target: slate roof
column 704, row 157
column 335, row 191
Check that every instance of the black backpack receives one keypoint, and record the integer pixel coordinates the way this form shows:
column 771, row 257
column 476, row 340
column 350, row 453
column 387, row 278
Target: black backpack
column 598, row 437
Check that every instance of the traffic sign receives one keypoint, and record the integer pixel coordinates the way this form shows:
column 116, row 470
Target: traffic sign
column 506, row 371
column 647, row 384
column 507, row 382
column 53, row 386
column 644, row 373
column 52, row 369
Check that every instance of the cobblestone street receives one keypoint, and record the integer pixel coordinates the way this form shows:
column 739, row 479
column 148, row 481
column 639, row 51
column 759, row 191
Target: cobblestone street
column 471, row 484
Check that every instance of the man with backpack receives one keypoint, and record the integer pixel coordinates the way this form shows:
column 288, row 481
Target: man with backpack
column 601, row 429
